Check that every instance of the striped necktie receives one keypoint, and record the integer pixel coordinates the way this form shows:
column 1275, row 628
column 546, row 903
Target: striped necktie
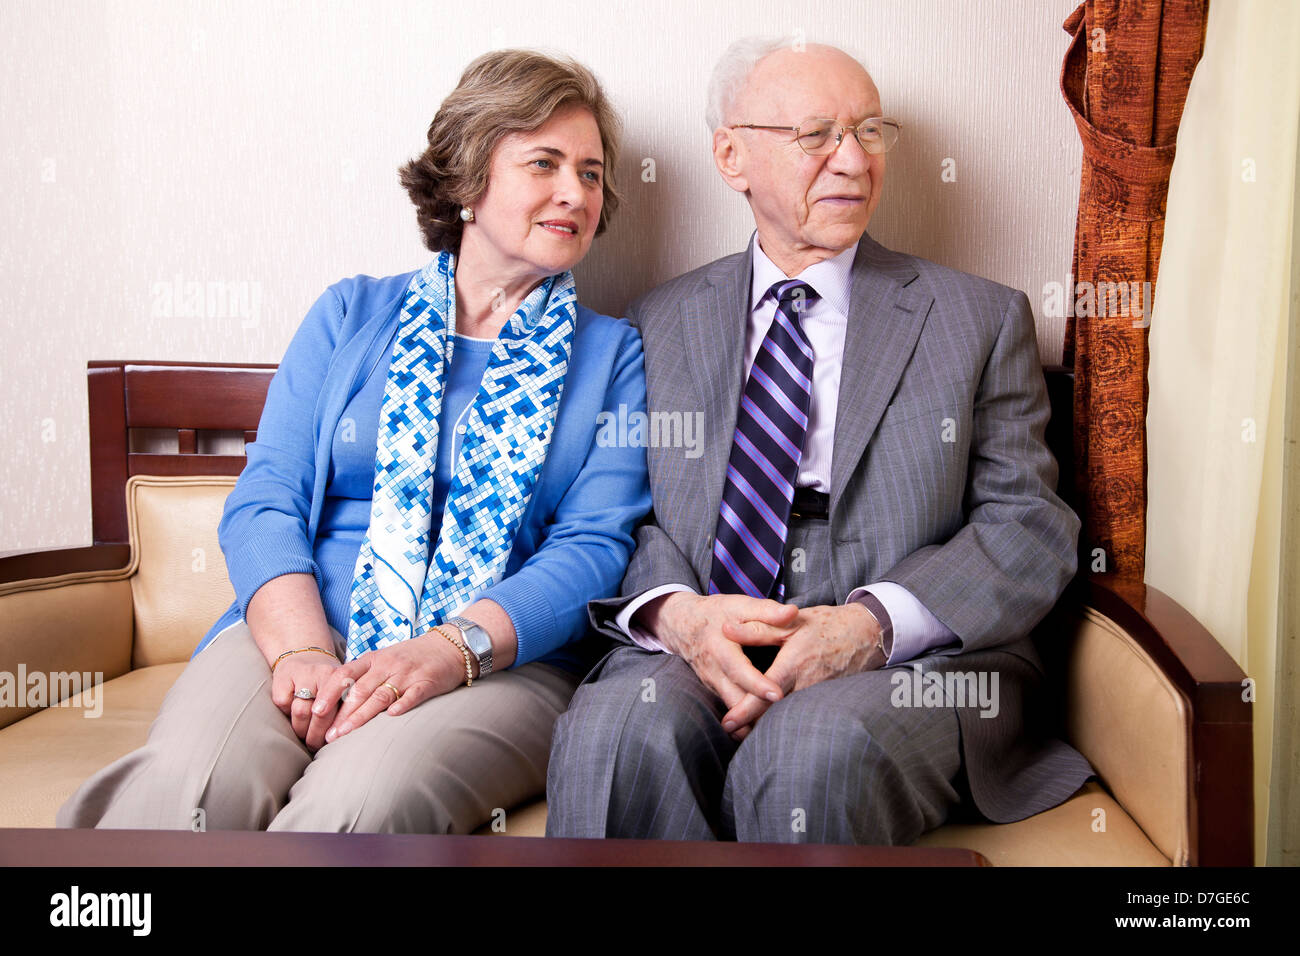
column 749, row 547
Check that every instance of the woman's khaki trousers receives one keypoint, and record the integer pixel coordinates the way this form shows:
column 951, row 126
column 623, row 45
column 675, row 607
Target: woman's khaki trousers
column 222, row 756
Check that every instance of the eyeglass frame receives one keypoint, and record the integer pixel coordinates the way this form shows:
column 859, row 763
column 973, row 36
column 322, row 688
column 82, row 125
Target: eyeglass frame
column 839, row 136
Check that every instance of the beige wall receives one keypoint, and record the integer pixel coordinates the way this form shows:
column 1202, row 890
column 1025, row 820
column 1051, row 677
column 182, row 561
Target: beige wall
column 255, row 145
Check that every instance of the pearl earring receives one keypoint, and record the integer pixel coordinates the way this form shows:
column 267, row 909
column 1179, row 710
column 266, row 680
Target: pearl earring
column 466, row 214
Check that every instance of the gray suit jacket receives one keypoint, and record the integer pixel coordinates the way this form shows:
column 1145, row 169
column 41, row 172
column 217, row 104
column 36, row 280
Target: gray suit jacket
column 941, row 480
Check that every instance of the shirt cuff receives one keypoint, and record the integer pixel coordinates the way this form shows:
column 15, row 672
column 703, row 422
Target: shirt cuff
column 639, row 635
column 915, row 630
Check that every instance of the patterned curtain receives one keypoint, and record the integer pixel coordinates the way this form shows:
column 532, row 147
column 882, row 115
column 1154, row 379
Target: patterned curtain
column 1125, row 80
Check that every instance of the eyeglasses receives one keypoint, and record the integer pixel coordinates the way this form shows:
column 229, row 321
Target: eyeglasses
column 818, row 137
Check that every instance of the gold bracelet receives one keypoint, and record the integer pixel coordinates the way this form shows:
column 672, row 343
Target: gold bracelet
column 464, row 651
column 303, row 650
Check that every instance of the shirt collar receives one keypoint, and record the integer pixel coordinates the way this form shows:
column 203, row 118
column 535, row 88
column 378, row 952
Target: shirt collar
column 832, row 278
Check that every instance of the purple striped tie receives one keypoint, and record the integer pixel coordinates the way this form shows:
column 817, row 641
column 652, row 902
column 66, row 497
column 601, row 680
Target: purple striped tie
column 749, row 547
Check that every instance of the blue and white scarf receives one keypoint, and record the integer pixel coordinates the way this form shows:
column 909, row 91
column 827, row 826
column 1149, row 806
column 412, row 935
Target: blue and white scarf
column 399, row 590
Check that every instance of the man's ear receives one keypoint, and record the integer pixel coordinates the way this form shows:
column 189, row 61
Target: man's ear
column 729, row 157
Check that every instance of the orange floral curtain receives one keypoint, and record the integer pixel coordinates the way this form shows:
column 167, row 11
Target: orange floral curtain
column 1125, row 79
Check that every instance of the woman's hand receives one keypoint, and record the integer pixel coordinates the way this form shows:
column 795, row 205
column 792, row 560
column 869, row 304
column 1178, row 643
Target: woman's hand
column 392, row 679
column 286, row 614
column 310, row 670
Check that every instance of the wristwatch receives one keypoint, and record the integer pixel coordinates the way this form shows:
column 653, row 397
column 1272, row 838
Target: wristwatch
column 477, row 641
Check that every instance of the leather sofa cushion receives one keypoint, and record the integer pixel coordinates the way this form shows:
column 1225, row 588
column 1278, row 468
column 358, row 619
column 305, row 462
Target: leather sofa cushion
column 180, row 582
column 1123, row 715
column 60, row 626
column 47, row 756
column 525, row 820
column 69, row 747
column 1134, row 726
column 1062, row 836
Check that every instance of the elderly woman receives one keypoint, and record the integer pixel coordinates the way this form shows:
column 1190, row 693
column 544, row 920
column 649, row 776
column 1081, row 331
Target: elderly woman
column 425, row 513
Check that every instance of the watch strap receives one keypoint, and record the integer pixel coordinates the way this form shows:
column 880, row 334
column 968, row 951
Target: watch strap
column 877, row 609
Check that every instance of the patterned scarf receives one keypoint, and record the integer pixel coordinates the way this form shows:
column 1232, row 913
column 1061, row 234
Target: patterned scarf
column 399, row 589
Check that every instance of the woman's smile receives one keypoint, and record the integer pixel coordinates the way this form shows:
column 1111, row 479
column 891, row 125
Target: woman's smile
column 561, row 228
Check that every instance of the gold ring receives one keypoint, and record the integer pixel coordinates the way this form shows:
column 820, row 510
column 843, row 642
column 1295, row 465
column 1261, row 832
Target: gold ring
column 396, row 693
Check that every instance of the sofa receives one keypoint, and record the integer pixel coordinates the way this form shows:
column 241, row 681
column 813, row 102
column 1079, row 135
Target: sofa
column 1137, row 685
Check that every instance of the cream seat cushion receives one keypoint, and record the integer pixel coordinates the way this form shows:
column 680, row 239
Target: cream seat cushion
column 46, row 757
column 1135, row 727
column 1066, row 835
column 70, row 746
column 1062, row 836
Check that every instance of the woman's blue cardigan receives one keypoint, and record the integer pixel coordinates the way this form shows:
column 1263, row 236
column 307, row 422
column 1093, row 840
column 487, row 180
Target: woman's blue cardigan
column 575, row 538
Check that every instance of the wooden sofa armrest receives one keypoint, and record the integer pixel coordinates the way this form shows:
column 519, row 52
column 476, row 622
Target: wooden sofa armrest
column 1222, row 811
column 63, row 611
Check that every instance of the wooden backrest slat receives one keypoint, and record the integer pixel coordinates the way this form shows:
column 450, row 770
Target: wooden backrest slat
column 140, row 463
column 228, row 398
column 186, row 396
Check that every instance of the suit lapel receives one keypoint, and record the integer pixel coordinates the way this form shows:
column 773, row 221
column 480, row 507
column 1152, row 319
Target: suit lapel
column 886, row 313
column 714, row 325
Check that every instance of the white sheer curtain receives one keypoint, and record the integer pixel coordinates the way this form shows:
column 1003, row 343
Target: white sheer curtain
column 1219, row 349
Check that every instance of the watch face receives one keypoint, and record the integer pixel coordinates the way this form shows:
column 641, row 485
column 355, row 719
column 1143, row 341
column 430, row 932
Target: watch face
column 475, row 637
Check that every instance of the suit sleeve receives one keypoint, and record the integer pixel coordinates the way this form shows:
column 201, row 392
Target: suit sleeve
column 657, row 561
column 1001, row 573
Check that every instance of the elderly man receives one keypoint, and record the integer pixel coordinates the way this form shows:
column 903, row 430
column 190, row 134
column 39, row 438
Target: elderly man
column 823, row 633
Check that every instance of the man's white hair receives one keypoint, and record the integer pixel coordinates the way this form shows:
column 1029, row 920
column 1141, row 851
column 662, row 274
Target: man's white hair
column 733, row 69
column 730, row 73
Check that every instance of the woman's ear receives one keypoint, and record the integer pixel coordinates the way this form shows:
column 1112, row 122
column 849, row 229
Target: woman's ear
column 729, row 157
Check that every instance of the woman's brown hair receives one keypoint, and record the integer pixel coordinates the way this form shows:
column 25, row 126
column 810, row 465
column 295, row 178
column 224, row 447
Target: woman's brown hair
column 502, row 92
